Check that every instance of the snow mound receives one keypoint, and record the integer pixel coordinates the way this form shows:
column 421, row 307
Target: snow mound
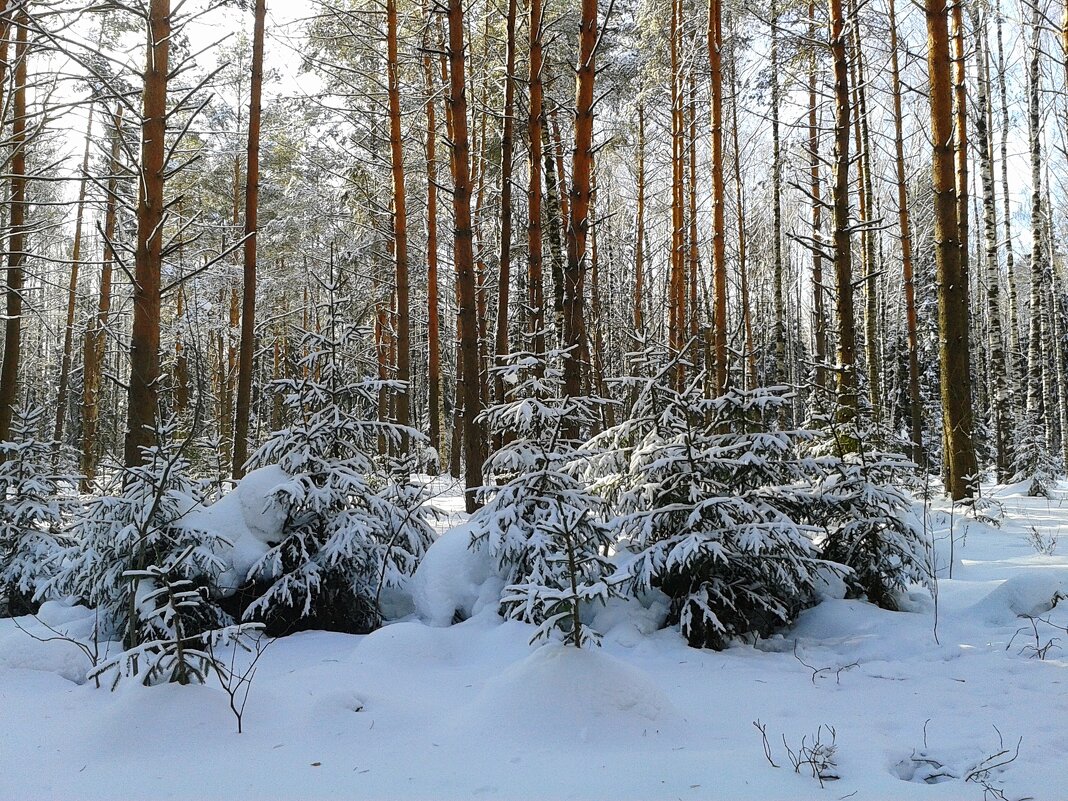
column 1031, row 593
column 403, row 645
column 627, row 621
column 455, row 580
column 562, row 692
column 41, row 646
column 247, row 519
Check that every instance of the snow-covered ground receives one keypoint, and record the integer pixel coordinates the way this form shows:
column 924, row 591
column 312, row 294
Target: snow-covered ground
column 919, row 702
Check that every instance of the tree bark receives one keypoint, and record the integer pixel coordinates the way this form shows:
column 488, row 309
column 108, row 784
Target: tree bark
column 501, row 348
column 96, row 336
column 463, row 256
column 9, row 372
column 143, row 397
column 780, row 372
column 536, row 137
column 247, row 352
column 578, row 225
column 999, row 408
column 433, row 313
column 842, row 247
column 719, row 258
column 819, row 313
column 952, row 292
column 72, row 288
column 905, row 226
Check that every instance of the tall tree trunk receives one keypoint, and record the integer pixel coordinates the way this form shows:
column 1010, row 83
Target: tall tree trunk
column 866, row 208
column 819, row 313
column 143, row 393
column 248, row 289
column 96, row 336
column 9, row 372
column 749, row 342
column 536, row 137
column 780, row 372
column 1037, row 413
column 400, row 224
column 554, row 217
column 181, row 360
column 842, row 248
column 464, row 257
column 505, row 260
column 578, row 225
column 639, row 229
column 905, row 225
column 72, row 287
column 960, row 132
column 1015, row 351
column 433, row 314
column 719, row 257
column 999, row 407
column 694, row 259
column 952, row 294
column 677, row 275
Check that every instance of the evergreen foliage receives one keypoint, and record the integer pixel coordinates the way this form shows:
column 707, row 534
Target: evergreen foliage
column 177, row 631
column 867, row 523
column 33, row 500
column 542, row 525
column 704, row 489
column 139, row 526
column 1034, row 463
column 354, row 522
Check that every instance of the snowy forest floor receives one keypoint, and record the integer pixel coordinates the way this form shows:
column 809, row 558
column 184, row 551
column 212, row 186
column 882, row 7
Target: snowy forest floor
column 473, row 711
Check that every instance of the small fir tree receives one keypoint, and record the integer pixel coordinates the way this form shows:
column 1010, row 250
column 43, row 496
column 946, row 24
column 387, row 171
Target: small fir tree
column 703, row 488
column 177, row 633
column 540, row 523
column 33, row 500
column 354, row 522
column 138, row 526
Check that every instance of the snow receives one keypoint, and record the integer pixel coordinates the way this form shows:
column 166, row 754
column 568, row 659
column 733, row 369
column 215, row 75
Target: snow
column 246, row 518
column 455, row 580
column 422, row 709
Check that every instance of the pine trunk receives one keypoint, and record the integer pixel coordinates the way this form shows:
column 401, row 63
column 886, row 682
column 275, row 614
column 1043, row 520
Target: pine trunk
column 248, row 290
column 952, row 291
column 578, row 225
column 842, row 247
column 505, row 261
column 905, row 228
column 143, row 392
column 9, row 372
column 464, row 257
column 536, row 137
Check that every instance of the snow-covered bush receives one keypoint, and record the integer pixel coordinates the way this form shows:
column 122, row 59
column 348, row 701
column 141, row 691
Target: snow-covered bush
column 135, row 527
column 704, row 489
column 33, row 498
column 178, row 630
column 868, row 524
column 354, row 523
column 541, row 524
column 1034, row 462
